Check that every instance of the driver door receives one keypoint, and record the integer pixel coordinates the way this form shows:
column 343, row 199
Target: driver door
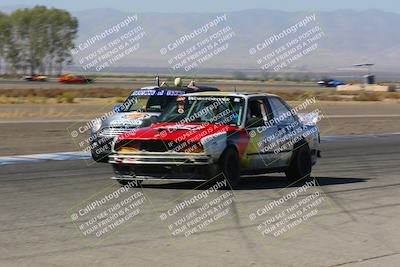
column 259, row 153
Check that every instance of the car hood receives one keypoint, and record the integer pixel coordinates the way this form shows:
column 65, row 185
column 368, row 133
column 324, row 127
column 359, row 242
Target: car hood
column 128, row 119
column 193, row 132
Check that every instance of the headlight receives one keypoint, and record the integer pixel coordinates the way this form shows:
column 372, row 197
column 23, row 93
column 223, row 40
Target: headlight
column 96, row 125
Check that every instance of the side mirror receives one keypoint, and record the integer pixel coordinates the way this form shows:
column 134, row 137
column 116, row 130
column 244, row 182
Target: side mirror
column 117, row 108
column 254, row 122
column 154, row 119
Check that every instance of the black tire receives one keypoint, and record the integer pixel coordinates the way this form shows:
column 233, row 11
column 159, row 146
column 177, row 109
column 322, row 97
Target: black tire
column 229, row 165
column 102, row 158
column 300, row 164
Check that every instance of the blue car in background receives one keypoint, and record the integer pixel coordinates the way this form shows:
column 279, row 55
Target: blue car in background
column 330, row 83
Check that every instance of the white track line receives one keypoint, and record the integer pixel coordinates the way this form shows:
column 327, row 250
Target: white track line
column 355, row 137
column 362, row 116
column 37, row 158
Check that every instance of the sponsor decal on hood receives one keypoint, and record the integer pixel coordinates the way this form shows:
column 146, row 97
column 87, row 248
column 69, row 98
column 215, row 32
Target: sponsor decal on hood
column 175, row 127
column 178, row 132
column 129, row 120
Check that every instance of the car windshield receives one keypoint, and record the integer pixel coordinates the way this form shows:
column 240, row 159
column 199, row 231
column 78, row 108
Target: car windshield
column 149, row 100
column 205, row 109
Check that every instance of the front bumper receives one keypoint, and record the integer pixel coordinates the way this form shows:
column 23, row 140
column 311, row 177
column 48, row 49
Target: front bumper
column 163, row 158
column 163, row 166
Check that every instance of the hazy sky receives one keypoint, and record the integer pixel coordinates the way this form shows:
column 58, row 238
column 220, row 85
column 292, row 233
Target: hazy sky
column 211, row 5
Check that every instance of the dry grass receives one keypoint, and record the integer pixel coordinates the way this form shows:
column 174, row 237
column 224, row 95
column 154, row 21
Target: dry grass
column 67, row 97
column 368, row 96
column 119, row 100
column 376, row 96
column 336, row 96
column 23, row 100
column 59, row 92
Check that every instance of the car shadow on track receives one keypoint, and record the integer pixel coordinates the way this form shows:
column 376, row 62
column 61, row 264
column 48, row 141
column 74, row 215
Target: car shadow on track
column 256, row 183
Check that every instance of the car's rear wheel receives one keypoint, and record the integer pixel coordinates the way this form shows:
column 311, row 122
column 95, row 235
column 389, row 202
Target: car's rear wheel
column 229, row 165
column 300, row 165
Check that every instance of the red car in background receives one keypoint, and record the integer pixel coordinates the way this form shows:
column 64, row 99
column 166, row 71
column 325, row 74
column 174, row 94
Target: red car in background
column 35, row 78
column 71, row 78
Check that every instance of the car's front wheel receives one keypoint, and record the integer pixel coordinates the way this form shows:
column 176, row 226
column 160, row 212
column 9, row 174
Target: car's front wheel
column 131, row 183
column 300, row 165
column 229, row 165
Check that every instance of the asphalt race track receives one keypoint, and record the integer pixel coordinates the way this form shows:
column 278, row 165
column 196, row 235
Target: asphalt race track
column 360, row 180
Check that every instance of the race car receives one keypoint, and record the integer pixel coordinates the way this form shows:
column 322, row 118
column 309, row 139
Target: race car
column 204, row 135
column 71, row 78
column 140, row 109
column 330, row 83
column 35, row 78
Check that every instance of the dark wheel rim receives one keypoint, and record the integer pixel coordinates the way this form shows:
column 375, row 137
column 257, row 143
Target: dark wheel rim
column 231, row 169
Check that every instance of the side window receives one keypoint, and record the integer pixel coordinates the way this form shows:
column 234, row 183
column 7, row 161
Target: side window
column 256, row 112
column 281, row 111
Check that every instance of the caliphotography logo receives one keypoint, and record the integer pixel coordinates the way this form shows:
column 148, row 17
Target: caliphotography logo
column 199, row 133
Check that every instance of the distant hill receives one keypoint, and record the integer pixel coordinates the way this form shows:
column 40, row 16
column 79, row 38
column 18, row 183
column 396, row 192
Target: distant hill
column 350, row 36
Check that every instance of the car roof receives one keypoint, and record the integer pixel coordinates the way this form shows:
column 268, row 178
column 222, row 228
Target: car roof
column 182, row 88
column 237, row 94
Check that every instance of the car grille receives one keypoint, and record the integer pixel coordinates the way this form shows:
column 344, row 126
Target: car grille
column 155, row 145
column 112, row 132
column 144, row 145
